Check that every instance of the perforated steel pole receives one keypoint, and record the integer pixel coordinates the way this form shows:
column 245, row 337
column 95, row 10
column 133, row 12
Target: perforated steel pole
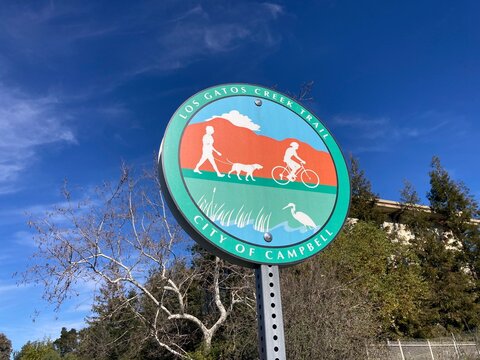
column 271, row 338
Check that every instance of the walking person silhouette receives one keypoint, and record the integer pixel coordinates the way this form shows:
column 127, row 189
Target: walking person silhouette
column 207, row 152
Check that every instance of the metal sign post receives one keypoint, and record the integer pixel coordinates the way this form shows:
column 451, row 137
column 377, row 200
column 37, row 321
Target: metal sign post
column 271, row 338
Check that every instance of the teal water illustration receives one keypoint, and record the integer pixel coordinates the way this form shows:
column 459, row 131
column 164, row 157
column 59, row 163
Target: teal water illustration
column 248, row 210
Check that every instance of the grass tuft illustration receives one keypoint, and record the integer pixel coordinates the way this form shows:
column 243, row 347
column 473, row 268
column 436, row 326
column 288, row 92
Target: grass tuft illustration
column 217, row 212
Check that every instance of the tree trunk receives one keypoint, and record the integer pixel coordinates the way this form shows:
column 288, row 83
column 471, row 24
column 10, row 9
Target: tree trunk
column 207, row 342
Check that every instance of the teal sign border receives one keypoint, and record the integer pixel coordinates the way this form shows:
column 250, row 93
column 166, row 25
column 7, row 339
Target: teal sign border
column 209, row 234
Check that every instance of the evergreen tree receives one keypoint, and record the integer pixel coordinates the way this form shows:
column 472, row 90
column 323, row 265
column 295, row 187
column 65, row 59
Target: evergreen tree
column 5, row 347
column 67, row 342
column 113, row 332
column 412, row 214
column 442, row 243
column 363, row 205
column 456, row 208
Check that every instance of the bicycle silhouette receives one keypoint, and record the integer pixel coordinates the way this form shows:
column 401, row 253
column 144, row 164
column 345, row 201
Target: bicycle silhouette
column 280, row 174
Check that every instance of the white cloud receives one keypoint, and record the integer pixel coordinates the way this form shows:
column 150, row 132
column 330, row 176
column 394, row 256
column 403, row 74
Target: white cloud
column 40, row 327
column 202, row 32
column 239, row 120
column 24, row 238
column 26, row 124
column 9, row 288
column 155, row 37
column 4, row 257
column 381, row 134
column 371, row 149
column 274, row 9
column 12, row 215
column 81, row 308
column 360, row 121
column 223, row 37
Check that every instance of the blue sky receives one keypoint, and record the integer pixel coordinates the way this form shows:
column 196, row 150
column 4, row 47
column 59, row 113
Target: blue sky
column 85, row 84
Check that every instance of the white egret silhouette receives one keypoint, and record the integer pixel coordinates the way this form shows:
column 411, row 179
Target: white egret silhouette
column 301, row 217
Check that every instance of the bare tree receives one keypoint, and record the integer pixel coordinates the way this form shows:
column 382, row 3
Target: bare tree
column 304, row 94
column 121, row 236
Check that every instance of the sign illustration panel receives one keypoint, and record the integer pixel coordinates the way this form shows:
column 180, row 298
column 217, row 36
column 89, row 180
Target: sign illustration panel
column 256, row 175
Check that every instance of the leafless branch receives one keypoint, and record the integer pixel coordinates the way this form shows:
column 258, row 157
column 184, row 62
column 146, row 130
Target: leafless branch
column 126, row 237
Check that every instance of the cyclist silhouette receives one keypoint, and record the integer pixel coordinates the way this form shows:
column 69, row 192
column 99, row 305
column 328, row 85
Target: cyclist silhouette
column 288, row 158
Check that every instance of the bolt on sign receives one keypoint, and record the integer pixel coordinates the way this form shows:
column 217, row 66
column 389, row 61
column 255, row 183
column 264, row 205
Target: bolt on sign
column 254, row 176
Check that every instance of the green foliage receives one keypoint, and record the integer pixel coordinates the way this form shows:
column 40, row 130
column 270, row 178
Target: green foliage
column 114, row 332
column 364, row 287
column 5, row 347
column 213, row 354
column 237, row 339
column 371, row 283
column 119, row 328
column 325, row 317
column 67, row 342
column 450, row 199
column 71, row 356
column 446, row 245
column 363, row 205
column 38, row 350
column 416, row 219
column 385, row 272
column 455, row 207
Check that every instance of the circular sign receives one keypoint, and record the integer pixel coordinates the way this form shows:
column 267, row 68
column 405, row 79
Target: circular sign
column 254, row 176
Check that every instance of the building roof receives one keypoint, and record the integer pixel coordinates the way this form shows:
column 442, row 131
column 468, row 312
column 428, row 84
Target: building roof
column 390, row 207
